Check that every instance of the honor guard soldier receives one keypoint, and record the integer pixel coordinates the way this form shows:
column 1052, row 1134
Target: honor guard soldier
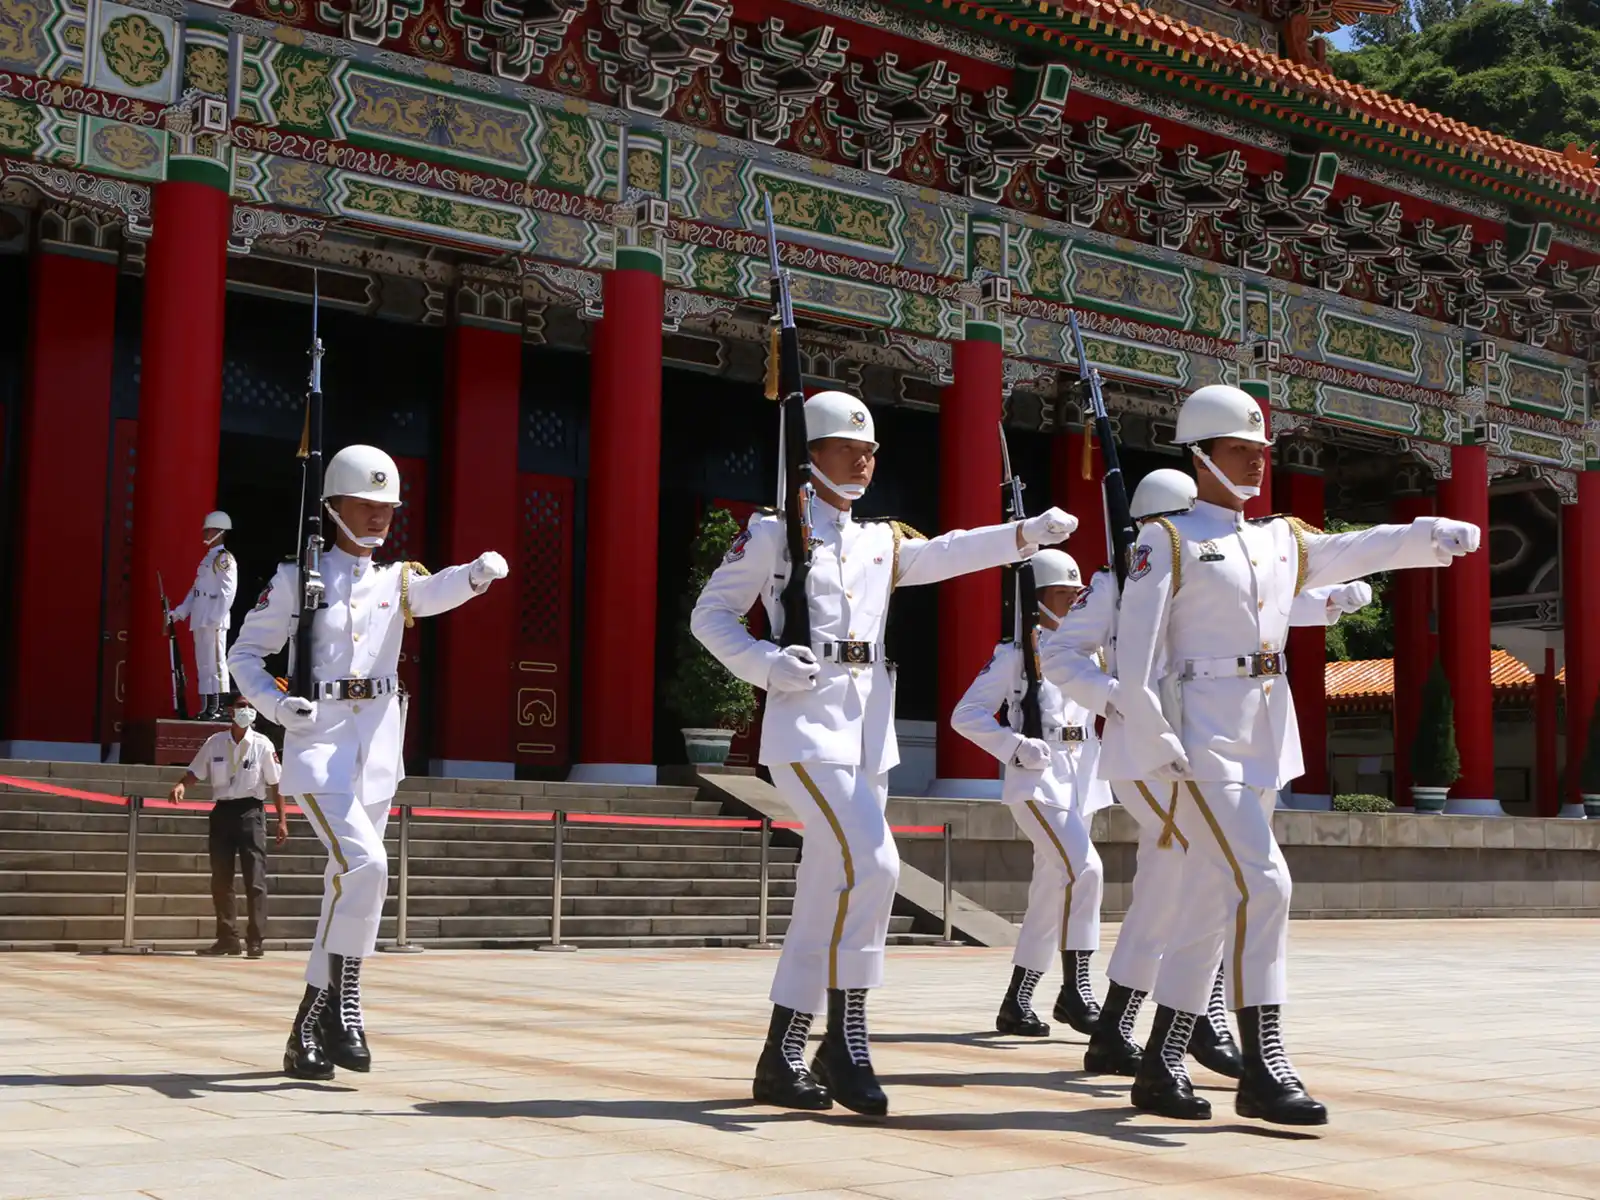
column 828, row 738
column 242, row 768
column 1202, row 702
column 342, row 751
column 1080, row 658
column 1052, row 791
column 207, row 609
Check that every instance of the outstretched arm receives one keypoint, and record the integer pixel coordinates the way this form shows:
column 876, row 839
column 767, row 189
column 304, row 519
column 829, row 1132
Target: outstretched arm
column 425, row 595
column 963, row 551
column 1426, row 542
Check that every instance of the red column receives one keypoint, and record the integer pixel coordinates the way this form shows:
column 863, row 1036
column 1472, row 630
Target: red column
column 1580, row 599
column 1549, row 778
column 1081, row 497
column 480, row 512
column 969, row 496
column 1261, row 506
column 65, row 434
column 619, row 651
column 180, row 420
column 1464, row 626
column 1303, row 495
column 1415, row 647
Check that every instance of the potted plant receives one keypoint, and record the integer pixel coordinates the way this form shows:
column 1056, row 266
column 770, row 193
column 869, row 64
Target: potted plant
column 712, row 704
column 1589, row 768
column 1435, row 762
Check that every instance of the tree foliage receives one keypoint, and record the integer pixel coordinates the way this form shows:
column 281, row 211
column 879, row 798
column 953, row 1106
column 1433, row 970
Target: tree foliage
column 1435, row 761
column 1525, row 69
column 702, row 692
column 1369, row 632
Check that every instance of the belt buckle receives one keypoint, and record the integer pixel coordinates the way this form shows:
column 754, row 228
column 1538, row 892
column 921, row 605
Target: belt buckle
column 1269, row 664
column 853, row 653
column 1072, row 733
column 358, row 689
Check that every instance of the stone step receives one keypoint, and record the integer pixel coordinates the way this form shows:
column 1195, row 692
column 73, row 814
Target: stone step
column 473, row 842
column 101, row 883
column 78, row 904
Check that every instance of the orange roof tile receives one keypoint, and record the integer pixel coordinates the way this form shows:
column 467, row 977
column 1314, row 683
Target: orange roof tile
column 1319, row 84
column 1373, row 678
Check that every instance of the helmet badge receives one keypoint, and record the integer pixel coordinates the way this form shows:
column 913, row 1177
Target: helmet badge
column 1255, row 416
column 380, row 478
column 858, row 419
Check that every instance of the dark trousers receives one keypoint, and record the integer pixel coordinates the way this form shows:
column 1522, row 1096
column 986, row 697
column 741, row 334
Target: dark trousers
column 239, row 827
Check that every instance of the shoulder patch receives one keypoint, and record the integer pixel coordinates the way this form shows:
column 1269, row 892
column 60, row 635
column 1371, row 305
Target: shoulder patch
column 264, row 599
column 1083, row 597
column 736, row 550
column 221, row 562
column 1140, row 567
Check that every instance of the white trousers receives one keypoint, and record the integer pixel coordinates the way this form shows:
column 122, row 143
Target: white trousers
column 210, row 660
column 1067, row 887
column 844, row 888
column 1236, row 891
column 1157, row 886
column 356, row 880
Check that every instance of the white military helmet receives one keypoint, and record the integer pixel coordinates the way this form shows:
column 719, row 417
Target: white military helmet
column 364, row 472
column 840, row 415
column 1219, row 410
column 1163, row 491
column 1055, row 568
column 217, row 520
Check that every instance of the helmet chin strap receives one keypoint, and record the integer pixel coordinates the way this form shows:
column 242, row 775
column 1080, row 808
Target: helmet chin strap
column 1234, row 489
column 850, row 491
column 366, row 543
column 215, row 538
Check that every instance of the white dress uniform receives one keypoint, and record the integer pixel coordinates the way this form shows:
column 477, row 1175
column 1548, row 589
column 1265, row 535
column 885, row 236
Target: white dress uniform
column 1079, row 656
column 1051, row 806
column 1199, row 659
column 207, row 608
column 830, row 748
column 347, row 766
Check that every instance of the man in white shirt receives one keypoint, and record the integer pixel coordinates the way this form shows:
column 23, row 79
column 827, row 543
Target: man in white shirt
column 242, row 768
column 207, row 608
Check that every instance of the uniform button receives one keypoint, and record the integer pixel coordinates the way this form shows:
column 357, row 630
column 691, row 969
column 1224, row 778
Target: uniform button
column 1266, row 688
column 1254, row 563
column 1261, row 603
column 355, row 708
column 849, row 595
column 355, row 637
column 844, row 558
column 852, row 635
column 1267, row 646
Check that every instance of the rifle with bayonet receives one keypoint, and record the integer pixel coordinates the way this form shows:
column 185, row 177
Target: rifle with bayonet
column 794, row 455
column 180, row 684
column 1024, row 601
column 309, row 557
column 1120, row 531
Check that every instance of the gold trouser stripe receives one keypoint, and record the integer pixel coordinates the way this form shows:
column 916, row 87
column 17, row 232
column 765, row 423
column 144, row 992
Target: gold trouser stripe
column 1240, row 923
column 1072, row 876
column 849, row 872
column 1169, row 817
column 338, row 857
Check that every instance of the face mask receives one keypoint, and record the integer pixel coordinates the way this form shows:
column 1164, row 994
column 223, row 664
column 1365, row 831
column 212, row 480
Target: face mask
column 244, row 717
column 850, row 491
column 1234, row 490
column 366, row 543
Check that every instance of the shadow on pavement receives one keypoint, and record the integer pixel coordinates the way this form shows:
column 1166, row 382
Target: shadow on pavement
column 178, row 1086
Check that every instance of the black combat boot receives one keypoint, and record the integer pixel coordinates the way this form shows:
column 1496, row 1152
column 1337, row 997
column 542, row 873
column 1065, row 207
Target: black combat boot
column 1212, row 1045
column 343, row 1037
column 1076, row 1005
column 782, row 1079
column 303, row 1057
column 843, row 1064
column 1016, row 1010
column 1112, row 1050
column 208, row 707
column 1162, row 1085
column 1269, row 1089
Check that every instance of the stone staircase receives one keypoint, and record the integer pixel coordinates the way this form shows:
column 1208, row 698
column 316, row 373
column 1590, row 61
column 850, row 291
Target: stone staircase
column 473, row 883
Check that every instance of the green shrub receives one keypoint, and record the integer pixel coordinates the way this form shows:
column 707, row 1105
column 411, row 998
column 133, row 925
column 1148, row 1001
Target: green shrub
column 1360, row 803
column 701, row 692
column 1435, row 762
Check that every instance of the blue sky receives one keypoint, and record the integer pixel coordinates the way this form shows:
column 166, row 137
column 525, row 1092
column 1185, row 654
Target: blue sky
column 1340, row 38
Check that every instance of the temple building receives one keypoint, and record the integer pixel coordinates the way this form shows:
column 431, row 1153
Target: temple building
column 535, row 228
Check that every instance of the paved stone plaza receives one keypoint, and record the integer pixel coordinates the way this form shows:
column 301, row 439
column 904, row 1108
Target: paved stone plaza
column 1461, row 1061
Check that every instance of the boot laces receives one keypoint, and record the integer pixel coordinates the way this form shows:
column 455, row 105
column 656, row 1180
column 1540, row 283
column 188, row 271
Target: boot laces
column 350, row 994
column 1130, row 1015
column 1217, row 1009
column 1273, row 1056
column 794, row 1040
column 855, row 1026
column 1175, row 1046
column 1030, row 980
column 1080, row 977
column 308, row 1023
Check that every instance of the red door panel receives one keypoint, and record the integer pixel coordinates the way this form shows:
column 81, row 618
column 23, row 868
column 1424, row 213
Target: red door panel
column 542, row 666
column 119, row 561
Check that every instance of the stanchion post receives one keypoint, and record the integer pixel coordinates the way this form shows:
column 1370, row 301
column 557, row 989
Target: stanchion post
column 559, row 826
column 131, row 892
column 762, row 904
column 402, row 944
column 949, row 938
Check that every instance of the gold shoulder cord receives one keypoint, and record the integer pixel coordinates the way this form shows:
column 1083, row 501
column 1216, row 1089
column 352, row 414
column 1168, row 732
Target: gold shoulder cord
column 405, row 589
column 1300, row 529
column 900, row 530
column 1177, row 552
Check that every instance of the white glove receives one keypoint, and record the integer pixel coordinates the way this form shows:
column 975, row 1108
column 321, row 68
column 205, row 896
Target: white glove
column 1176, row 768
column 1111, row 699
column 486, row 568
column 296, row 714
column 1033, row 754
column 1049, row 527
column 1352, row 597
column 1455, row 537
column 794, row 669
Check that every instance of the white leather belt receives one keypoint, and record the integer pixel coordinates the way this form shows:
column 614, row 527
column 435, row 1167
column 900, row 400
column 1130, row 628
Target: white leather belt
column 848, row 654
column 357, row 689
column 1243, row 666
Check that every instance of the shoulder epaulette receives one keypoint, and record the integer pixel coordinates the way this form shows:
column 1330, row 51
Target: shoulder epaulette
column 1103, row 571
